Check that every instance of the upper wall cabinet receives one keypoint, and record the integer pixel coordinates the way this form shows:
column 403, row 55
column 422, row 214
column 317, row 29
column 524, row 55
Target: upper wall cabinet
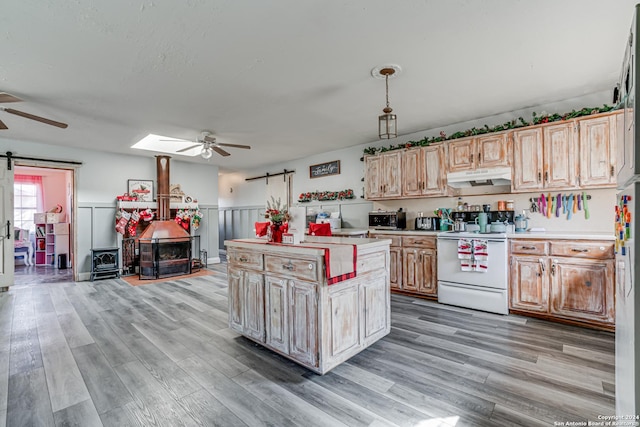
column 382, row 176
column 598, row 150
column 479, row 152
column 544, row 157
column 423, row 172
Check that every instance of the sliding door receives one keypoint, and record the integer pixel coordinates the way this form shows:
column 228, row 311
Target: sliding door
column 6, row 222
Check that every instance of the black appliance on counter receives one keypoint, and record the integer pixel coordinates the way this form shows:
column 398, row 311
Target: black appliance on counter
column 388, row 220
column 492, row 216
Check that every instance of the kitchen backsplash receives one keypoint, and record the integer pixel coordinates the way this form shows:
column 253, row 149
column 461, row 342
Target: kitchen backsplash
column 601, row 205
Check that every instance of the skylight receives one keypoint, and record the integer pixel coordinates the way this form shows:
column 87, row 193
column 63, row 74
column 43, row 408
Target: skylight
column 167, row 144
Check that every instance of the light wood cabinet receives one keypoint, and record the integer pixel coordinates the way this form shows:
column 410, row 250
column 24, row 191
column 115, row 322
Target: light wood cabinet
column 486, row 151
column 246, row 307
column 419, row 271
column 583, row 289
column 278, row 297
column 544, row 157
column 564, row 280
column 383, row 176
column 395, row 267
column 423, row 172
column 598, row 150
column 529, row 283
column 413, row 263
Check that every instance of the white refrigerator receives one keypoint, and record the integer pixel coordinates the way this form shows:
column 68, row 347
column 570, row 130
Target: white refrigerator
column 627, row 243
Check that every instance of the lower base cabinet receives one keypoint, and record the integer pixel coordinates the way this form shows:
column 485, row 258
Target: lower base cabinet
column 413, row 266
column 564, row 280
column 284, row 302
column 292, row 318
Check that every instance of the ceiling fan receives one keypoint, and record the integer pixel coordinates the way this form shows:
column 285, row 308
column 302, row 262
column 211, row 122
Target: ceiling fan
column 209, row 144
column 5, row 97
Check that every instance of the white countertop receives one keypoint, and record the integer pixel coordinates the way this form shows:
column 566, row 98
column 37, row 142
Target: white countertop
column 361, row 243
column 569, row 235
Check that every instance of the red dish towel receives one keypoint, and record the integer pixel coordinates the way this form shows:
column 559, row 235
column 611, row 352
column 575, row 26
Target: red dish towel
column 465, row 248
column 340, row 261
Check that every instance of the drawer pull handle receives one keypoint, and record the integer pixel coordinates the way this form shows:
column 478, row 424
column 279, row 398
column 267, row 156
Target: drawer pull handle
column 288, row 266
column 243, row 259
column 579, row 250
column 528, row 248
column 310, row 266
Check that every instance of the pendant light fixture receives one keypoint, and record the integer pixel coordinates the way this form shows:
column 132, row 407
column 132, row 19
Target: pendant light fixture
column 387, row 122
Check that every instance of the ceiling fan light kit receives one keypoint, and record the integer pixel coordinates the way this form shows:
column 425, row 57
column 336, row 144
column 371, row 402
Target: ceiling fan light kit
column 387, row 122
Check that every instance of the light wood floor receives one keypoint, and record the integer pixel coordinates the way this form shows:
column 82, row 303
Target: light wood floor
column 105, row 353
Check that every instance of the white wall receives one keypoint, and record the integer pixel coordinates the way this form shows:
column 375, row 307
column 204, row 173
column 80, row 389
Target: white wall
column 103, row 176
column 352, row 170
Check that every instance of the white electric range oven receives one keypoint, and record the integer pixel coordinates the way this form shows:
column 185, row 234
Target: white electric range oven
column 483, row 289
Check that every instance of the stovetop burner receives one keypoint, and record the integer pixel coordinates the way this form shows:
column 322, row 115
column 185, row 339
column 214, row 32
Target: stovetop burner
column 471, row 235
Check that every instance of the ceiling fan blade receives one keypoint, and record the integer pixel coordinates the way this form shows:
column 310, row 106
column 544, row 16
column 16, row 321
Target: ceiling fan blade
column 6, row 97
column 223, row 144
column 36, row 118
column 2, row 125
column 220, row 151
column 188, row 148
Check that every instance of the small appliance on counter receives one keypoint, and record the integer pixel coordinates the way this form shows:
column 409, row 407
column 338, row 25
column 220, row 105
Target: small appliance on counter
column 388, row 220
column 335, row 222
column 521, row 223
column 427, row 223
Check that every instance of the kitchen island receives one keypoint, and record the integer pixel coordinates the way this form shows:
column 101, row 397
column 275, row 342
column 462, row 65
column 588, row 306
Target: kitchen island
column 317, row 303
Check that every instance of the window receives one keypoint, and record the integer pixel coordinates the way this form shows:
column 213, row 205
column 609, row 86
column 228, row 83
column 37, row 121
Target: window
column 27, row 200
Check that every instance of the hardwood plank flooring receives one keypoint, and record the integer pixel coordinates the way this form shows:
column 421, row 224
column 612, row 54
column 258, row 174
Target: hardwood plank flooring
column 106, row 353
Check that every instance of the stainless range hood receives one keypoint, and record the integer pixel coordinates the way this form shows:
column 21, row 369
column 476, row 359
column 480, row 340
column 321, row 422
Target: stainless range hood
column 480, row 177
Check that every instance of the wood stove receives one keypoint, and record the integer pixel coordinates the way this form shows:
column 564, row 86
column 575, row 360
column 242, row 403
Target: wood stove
column 160, row 258
column 164, row 246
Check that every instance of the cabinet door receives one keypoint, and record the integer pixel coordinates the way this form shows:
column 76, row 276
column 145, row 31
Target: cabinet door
column 303, row 320
column 236, row 299
column 597, row 151
column 372, row 177
column 392, row 181
column 492, row 151
column 529, row 284
column 344, row 311
column 374, row 309
column 560, row 152
column 419, row 271
column 527, row 160
column 582, row 289
column 395, row 268
column 254, row 305
column 433, row 177
column 412, row 173
column 277, row 313
column 461, row 155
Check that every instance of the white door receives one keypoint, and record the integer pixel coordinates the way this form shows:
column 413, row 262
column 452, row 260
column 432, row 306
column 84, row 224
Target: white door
column 6, row 222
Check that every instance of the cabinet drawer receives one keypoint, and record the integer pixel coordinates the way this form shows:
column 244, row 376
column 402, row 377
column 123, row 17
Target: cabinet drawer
column 583, row 249
column 395, row 240
column 528, row 247
column 247, row 259
column 370, row 262
column 295, row 267
column 419, row 241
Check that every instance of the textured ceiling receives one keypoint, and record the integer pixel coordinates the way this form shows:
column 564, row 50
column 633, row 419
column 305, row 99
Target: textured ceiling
column 292, row 78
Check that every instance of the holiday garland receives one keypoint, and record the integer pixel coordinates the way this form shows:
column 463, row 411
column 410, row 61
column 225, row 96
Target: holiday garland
column 513, row 124
column 327, row 195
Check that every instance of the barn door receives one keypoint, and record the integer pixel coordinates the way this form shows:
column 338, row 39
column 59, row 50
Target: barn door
column 7, row 262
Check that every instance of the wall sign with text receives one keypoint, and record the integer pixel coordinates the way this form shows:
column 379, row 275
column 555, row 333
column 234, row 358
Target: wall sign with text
column 324, row 169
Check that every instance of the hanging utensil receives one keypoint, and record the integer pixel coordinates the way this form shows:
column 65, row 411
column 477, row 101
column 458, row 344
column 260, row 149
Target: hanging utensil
column 574, row 203
column 571, row 206
column 579, row 201
column 558, row 204
column 586, row 206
